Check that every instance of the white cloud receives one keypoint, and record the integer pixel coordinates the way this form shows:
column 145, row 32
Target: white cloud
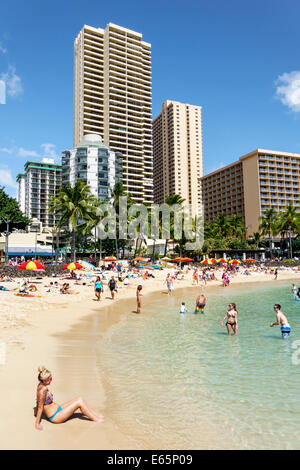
column 288, row 90
column 3, row 49
column 21, row 152
column 49, row 150
column 6, row 150
column 13, row 82
column 6, row 178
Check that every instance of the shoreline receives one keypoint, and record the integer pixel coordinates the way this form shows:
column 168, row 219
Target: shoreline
column 62, row 328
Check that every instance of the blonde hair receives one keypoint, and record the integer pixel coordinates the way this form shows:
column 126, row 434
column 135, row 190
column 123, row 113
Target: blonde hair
column 44, row 373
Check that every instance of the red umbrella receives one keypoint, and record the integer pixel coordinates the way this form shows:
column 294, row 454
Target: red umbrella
column 33, row 265
column 187, row 259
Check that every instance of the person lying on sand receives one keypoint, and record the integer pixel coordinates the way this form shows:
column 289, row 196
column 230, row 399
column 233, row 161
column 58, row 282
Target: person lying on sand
column 55, row 413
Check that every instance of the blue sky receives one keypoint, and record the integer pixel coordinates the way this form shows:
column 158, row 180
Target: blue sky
column 238, row 59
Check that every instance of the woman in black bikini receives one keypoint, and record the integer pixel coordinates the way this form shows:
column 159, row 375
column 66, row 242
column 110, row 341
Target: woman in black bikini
column 232, row 321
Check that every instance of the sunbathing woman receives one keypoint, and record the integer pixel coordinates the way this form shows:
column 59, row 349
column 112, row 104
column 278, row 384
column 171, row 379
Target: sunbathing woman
column 55, row 413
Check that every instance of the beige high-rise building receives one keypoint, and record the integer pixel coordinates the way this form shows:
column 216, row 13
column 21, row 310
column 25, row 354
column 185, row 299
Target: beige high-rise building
column 177, row 154
column 113, row 98
column 259, row 180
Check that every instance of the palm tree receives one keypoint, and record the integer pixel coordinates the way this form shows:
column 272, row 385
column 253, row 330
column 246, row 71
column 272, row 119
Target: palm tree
column 288, row 223
column 256, row 237
column 237, row 225
column 117, row 192
column 268, row 225
column 73, row 205
column 170, row 201
column 223, row 225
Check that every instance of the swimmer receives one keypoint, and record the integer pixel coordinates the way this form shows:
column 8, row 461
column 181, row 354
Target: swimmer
column 232, row 321
column 55, row 413
column 200, row 303
column 282, row 320
column 294, row 289
column 182, row 308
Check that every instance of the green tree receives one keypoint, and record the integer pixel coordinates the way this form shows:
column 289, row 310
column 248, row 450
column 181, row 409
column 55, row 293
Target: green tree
column 74, row 206
column 9, row 210
column 170, row 201
column 222, row 225
column 268, row 226
column 289, row 223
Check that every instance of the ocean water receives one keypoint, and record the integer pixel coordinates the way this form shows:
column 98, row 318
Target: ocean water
column 180, row 382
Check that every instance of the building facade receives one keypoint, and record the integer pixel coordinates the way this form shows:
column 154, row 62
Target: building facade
column 113, row 99
column 177, row 153
column 37, row 184
column 94, row 163
column 259, row 180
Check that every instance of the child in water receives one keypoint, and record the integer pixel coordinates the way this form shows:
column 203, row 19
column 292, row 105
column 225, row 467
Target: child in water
column 182, row 308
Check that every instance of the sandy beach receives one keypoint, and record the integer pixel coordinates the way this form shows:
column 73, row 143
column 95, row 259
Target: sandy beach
column 54, row 330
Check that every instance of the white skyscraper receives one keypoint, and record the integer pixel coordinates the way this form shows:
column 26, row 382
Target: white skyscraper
column 94, row 163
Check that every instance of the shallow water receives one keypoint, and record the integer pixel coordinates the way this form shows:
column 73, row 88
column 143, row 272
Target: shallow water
column 179, row 382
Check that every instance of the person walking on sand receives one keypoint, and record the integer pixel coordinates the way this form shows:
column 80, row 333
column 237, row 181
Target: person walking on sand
column 138, row 299
column 55, row 413
column 276, row 274
column 98, row 288
column 200, row 303
column 112, row 287
column 232, row 320
column 281, row 320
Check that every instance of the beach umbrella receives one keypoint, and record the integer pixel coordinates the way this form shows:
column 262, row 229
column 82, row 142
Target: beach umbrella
column 206, row 261
column 213, row 260
column 73, row 266
column 87, row 265
column 166, row 259
column 110, row 258
column 179, row 259
column 234, row 261
column 222, row 260
column 140, row 258
column 187, row 259
column 33, row 265
column 251, row 260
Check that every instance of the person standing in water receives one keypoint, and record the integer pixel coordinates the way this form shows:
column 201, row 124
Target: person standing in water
column 182, row 308
column 281, row 320
column 55, row 413
column 138, row 299
column 231, row 317
column 200, row 303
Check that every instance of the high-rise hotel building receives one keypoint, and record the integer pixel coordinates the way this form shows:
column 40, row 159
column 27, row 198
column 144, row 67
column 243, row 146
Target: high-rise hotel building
column 112, row 98
column 177, row 154
column 259, row 180
column 37, row 184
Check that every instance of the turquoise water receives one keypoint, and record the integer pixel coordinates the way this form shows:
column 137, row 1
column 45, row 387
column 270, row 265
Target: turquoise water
column 179, row 382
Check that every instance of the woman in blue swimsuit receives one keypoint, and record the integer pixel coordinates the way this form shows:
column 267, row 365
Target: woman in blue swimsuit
column 55, row 413
column 98, row 288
